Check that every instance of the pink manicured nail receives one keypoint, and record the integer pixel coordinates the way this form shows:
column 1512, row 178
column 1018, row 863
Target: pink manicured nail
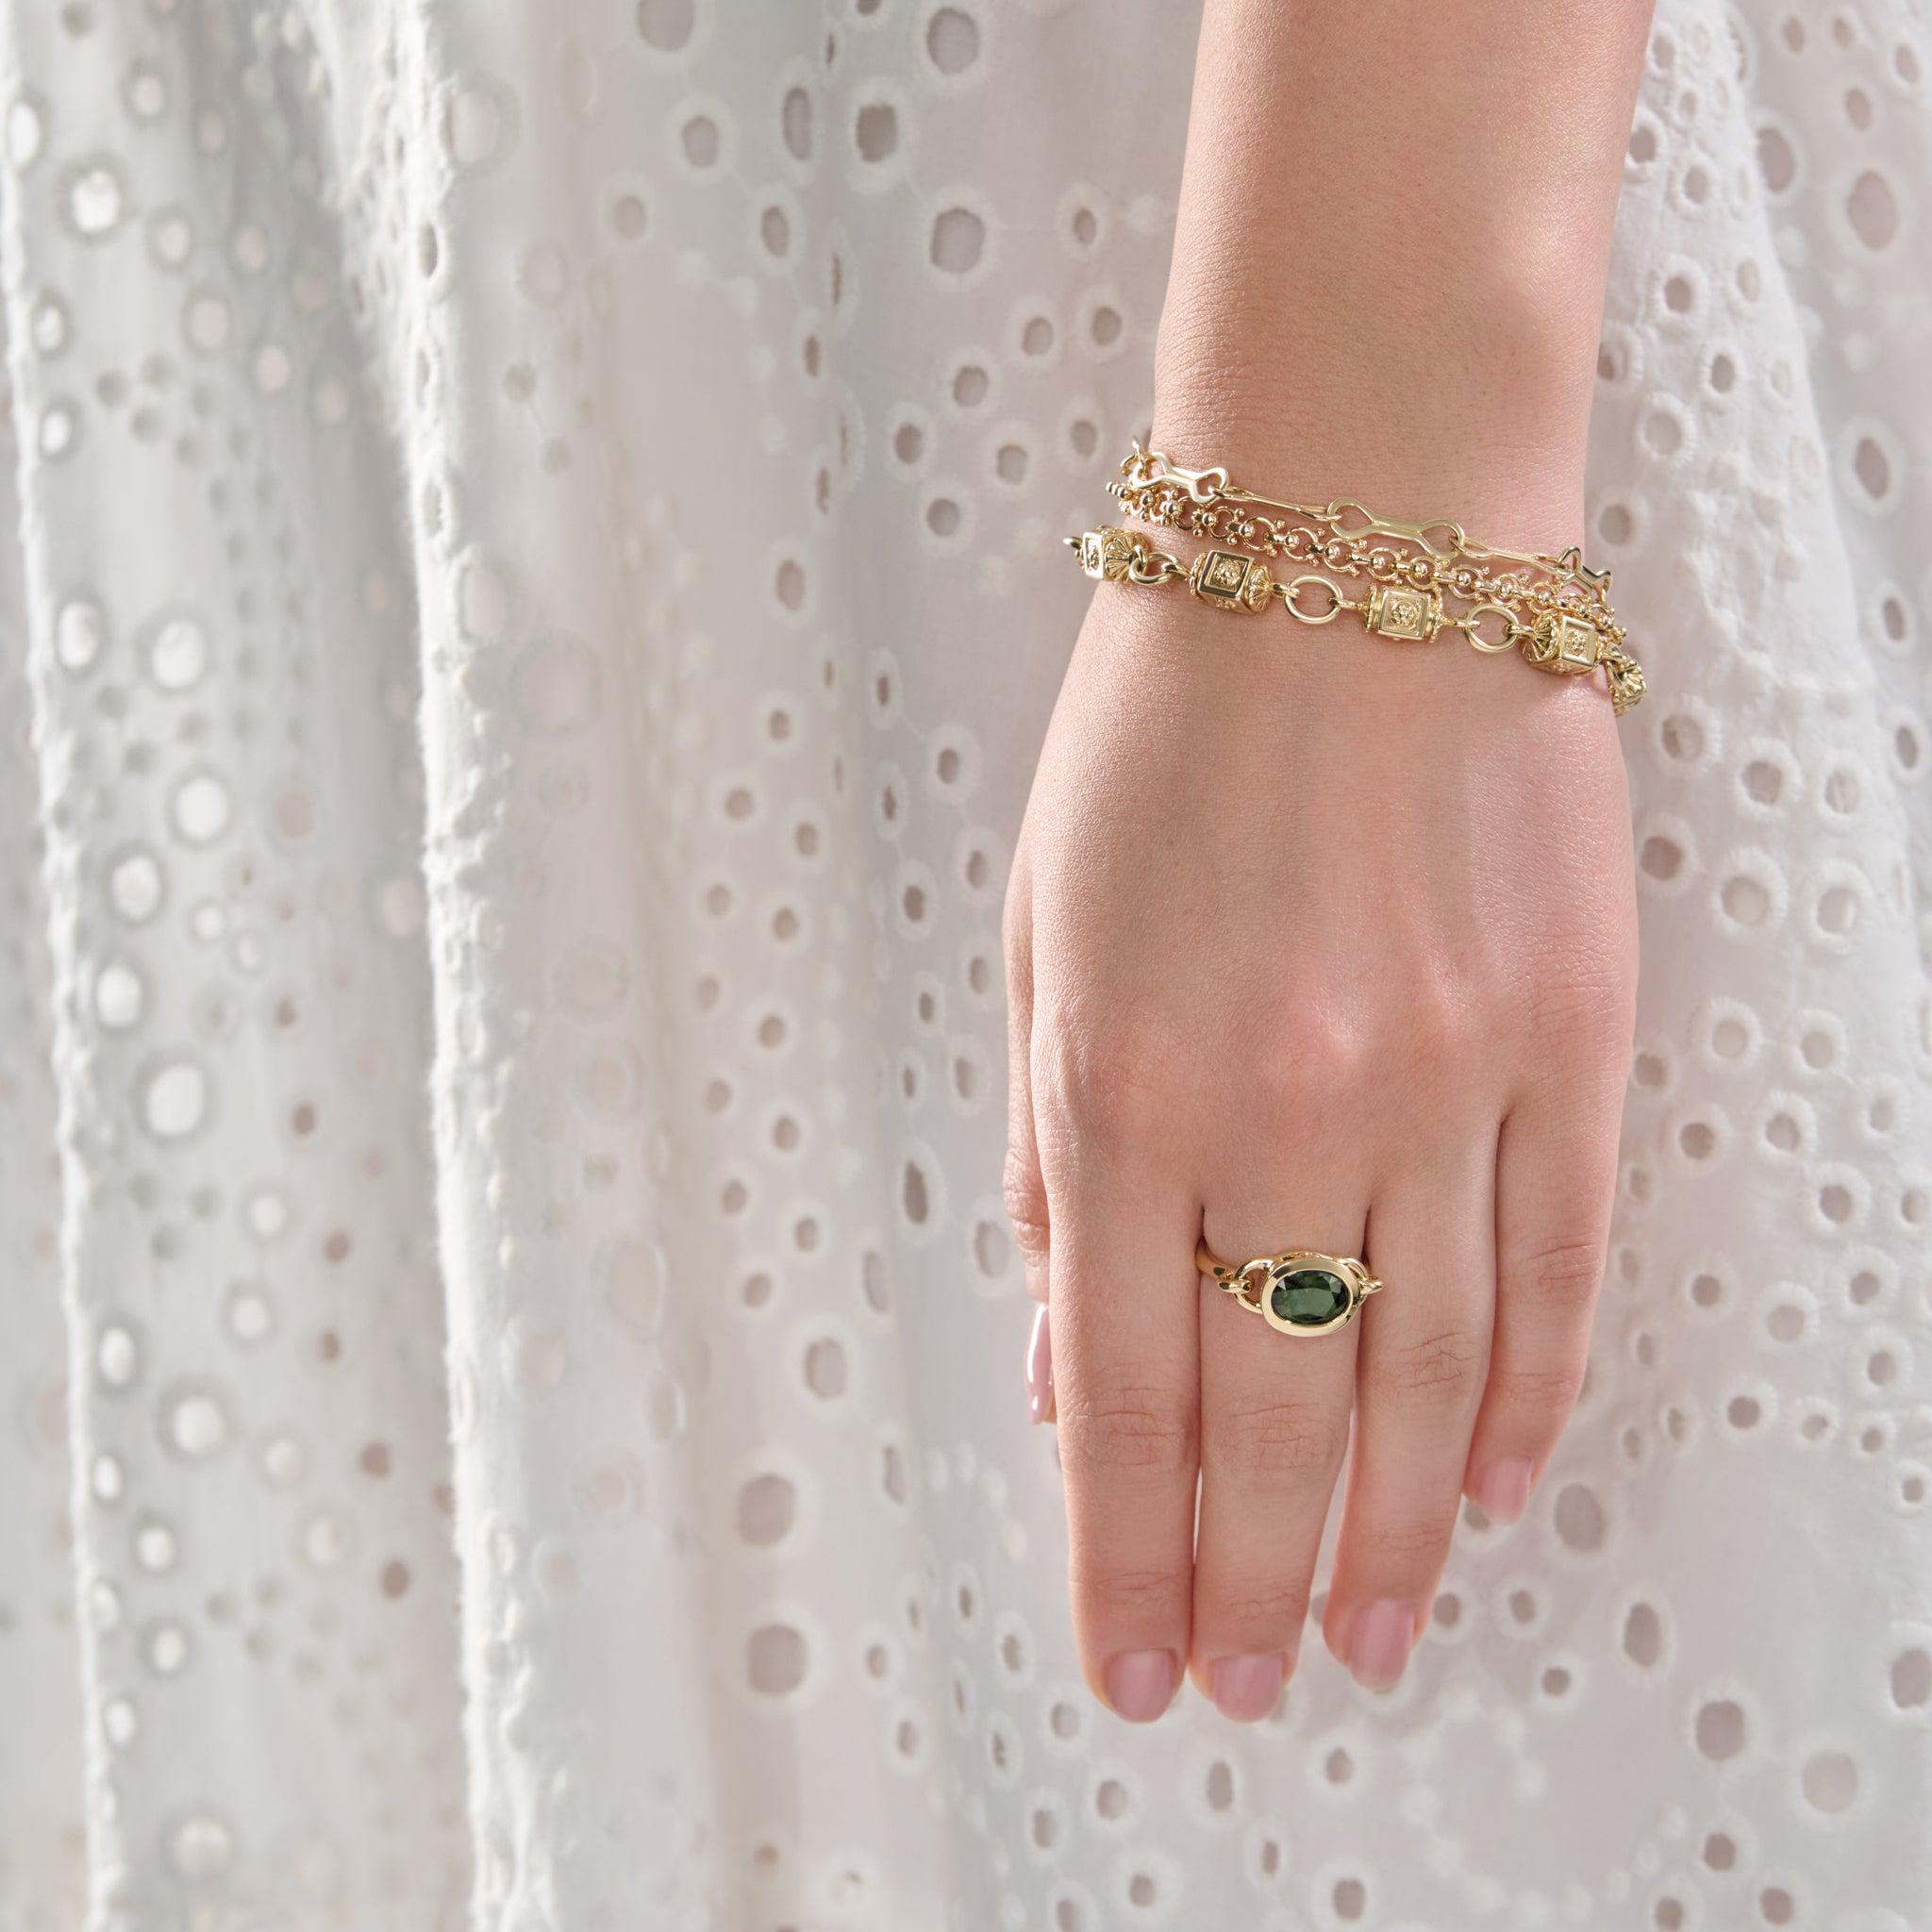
column 1245, row 1688
column 1140, row 1684
column 1378, row 1643
column 1505, row 1492
column 1040, row 1369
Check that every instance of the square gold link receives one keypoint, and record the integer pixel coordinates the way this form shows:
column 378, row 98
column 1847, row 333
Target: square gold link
column 1563, row 643
column 1107, row 553
column 1399, row 610
column 1228, row 578
column 1576, row 644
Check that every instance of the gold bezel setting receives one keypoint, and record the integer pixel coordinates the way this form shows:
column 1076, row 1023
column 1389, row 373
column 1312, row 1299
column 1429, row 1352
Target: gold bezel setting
column 1253, row 1282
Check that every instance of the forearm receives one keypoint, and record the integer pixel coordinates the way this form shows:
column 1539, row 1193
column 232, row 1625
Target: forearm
column 1389, row 264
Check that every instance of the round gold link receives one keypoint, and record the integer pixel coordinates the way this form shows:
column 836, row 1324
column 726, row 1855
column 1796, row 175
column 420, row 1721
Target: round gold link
column 1155, row 567
column 1336, row 602
column 1247, row 1282
column 1513, row 631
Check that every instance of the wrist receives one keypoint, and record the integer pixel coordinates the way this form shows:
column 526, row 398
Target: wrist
column 1469, row 399
column 1390, row 250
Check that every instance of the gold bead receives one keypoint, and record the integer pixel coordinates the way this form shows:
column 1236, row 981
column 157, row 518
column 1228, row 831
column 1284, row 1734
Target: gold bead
column 1562, row 642
column 1231, row 580
column 1106, row 553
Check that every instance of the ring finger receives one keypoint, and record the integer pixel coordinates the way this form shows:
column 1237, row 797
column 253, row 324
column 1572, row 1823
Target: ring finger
column 1273, row 1429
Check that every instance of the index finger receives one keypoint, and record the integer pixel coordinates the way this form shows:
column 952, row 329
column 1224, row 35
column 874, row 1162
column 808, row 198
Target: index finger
column 1123, row 1298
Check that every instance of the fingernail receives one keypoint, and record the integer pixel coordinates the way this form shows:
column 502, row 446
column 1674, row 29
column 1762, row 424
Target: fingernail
column 1140, row 1684
column 1378, row 1643
column 1040, row 1369
column 1505, row 1492
column 1245, row 1688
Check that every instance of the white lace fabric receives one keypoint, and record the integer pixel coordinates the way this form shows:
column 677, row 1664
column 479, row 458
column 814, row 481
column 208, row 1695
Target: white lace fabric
column 537, row 594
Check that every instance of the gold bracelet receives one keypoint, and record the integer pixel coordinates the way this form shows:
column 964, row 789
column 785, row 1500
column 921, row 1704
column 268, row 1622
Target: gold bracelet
column 1207, row 502
column 1555, row 608
column 1556, row 639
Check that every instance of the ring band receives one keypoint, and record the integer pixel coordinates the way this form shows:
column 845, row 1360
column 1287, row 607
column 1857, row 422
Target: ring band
column 1299, row 1291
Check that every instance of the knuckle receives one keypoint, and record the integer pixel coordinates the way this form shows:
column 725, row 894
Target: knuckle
column 1016, row 894
column 1404, row 1543
column 1114, row 1091
column 1311, row 1055
column 1016, row 925
column 1442, row 1368
column 1127, row 1428
column 1562, row 1276
column 1582, row 1019
column 1130, row 1593
column 1579, row 1036
column 1537, row 1388
column 1276, row 1438
column 1257, row 1603
column 1026, row 1203
column 1441, row 1024
column 1577, row 1091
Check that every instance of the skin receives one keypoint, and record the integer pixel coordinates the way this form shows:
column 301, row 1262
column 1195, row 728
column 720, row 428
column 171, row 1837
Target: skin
column 1319, row 940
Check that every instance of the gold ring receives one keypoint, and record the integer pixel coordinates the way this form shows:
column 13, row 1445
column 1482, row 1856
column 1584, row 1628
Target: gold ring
column 1300, row 1291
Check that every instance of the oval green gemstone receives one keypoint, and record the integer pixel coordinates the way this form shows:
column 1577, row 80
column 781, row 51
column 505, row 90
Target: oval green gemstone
column 1307, row 1297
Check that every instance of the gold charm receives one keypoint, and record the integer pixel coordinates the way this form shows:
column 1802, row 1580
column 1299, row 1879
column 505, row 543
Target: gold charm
column 1626, row 682
column 1231, row 580
column 1106, row 553
column 1563, row 643
column 1398, row 610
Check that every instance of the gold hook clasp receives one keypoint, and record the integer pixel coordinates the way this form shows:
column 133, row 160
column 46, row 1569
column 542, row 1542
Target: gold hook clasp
column 1145, row 466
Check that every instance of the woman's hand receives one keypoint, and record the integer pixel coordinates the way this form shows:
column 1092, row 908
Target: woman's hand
column 1316, row 940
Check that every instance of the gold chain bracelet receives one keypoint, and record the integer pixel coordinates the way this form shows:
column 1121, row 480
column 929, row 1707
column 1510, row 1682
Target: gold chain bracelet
column 1556, row 640
column 1208, row 503
column 1555, row 609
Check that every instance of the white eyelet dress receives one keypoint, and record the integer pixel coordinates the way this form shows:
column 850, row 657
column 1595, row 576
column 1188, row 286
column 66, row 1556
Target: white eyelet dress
column 533, row 597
